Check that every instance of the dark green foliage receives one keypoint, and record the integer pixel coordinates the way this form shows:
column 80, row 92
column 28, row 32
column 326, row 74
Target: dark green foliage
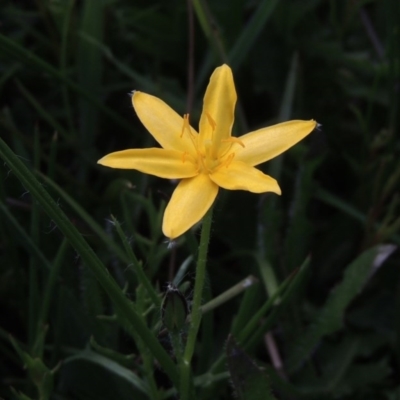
column 247, row 379
column 83, row 263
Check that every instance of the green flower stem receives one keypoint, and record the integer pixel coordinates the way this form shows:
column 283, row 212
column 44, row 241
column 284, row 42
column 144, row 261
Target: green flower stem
column 195, row 316
column 177, row 346
column 176, row 342
column 122, row 304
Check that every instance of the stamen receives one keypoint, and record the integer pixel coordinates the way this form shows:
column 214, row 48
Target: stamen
column 207, row 149
column 211, row 121
column 229, row 160
column 226, row 163
column 186, row 127
column 185, row 123
column 184, row 157
column 233, row 139
column 201, row 166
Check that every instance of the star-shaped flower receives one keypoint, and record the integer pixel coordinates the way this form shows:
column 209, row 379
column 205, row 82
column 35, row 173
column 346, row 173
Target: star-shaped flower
column 207, row 160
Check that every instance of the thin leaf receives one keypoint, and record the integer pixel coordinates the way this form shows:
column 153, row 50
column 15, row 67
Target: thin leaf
column 90, row 258
column 111, row 366
column 11, row 50
column 250, row 33
column 89, row 220
column 26, row 240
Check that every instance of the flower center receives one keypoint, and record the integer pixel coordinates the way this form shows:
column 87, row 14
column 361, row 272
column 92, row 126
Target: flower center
column 210, row 156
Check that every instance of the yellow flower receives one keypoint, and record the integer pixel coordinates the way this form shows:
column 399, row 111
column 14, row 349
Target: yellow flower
column 206, row 160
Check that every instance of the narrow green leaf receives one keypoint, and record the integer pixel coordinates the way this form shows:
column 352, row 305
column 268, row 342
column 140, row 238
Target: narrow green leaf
column 42, row 112
column 110, row 365
column 299, row 225
column 20, row 395
column 89, row 220
column 283, row 293
column 89, row 63
column 246, row 310
column 11, row 50
column 141, row 81
column 25, row 239
column 250, row 33
column 127, row 361
column 285, row 112
column 33, row 299
column 268, row 275
column 137, row 266
column 341, row 205
column 182, row 270
column 41, row 376
column 90, row 258
column 229, row 294
column 208, row 24
column 251, row 333
column 69, row 6
column 50, row 284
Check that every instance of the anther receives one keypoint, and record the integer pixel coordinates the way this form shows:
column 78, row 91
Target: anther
column 185, row 123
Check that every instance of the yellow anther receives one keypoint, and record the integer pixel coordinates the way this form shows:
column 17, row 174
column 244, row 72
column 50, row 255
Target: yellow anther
column 185, row 124
column 184, row 156
column 225, row 163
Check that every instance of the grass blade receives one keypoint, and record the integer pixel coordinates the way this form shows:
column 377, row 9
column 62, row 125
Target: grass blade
column 11, row 50
column 249, row 35
column 90, row 259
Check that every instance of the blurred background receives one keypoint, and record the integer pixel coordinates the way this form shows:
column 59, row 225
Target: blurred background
column 67, row 68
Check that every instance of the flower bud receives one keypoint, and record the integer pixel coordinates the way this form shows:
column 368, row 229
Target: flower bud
column 174, row 309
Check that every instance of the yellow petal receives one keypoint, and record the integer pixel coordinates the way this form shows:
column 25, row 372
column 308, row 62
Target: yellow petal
column 162, row 122
column 240, row 176
column 218, row 109
column 266, row 143
column 190, row 201
column 163, row 163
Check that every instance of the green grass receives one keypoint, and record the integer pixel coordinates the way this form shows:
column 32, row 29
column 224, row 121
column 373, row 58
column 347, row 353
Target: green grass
column 83, row 262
